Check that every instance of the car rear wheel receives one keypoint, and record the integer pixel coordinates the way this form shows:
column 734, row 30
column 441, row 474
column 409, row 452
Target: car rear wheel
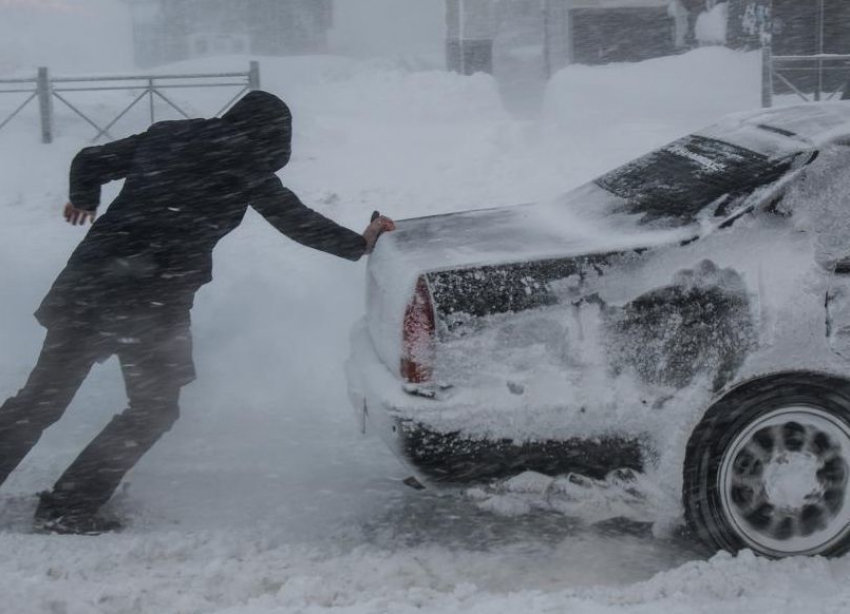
column 768, row 468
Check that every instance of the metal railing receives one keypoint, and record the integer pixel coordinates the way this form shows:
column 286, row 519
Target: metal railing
column 45, row 89
column 810, row 77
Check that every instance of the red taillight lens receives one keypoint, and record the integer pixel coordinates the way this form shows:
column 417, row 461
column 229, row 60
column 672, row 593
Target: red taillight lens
column 417, row 358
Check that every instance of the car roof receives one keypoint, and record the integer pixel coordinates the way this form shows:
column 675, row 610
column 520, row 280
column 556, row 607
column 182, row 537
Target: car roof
column 810, row 124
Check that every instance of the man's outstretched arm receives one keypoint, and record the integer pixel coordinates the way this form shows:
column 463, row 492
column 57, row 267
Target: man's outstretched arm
column 91, row 168
column 285, row 211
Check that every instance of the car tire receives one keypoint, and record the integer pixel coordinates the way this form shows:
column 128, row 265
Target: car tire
column 768, row 468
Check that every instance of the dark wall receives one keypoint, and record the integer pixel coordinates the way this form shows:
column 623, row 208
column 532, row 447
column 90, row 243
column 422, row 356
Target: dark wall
column 792, row 23
column 795, row 27
column 796, row 32
column 621, row 34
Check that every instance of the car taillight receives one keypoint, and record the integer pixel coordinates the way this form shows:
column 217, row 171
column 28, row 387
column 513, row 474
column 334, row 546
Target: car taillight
column 417, row 359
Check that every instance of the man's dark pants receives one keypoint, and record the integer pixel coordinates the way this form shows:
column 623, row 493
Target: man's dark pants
column 154, row 365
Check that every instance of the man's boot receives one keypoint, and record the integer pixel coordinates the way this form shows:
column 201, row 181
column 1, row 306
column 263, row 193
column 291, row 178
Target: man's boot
column 54, row 516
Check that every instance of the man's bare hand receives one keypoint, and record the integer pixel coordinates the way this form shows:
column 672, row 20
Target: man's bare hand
column 379, row 224
column 77, row 217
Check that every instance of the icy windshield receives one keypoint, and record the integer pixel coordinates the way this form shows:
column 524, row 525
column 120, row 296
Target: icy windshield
column 675, row 183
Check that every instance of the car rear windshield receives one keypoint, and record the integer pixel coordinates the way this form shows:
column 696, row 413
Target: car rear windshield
column 676, row 182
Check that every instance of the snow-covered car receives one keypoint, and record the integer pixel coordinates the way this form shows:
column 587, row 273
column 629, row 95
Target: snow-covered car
column 686, row 315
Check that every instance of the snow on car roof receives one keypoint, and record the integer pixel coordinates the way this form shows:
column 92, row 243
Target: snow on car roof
column 812, row 123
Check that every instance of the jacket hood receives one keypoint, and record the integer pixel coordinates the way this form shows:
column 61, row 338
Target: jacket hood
column 266, row 122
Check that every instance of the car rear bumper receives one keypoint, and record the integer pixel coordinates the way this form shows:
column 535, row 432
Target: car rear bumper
column 377, row 397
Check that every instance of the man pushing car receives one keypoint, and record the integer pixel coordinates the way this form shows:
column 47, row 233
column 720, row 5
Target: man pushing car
column 129, row 286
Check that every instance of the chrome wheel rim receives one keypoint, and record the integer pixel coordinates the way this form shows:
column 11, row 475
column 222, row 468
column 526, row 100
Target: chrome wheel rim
column 784, row 482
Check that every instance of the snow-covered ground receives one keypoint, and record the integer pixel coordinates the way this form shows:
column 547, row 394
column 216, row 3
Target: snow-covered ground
column 264, row 497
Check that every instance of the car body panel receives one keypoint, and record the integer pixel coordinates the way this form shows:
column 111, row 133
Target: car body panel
column 588, row 333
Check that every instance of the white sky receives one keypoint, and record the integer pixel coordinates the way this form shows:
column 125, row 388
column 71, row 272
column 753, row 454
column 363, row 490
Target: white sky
column 66, row 35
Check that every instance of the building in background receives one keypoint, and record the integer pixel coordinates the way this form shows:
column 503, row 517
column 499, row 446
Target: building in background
column 602, row 31
column 796, row 28
column 793, row 27
column 470, row 30
column 483, row 34
column 407, row 30
column 172, row 30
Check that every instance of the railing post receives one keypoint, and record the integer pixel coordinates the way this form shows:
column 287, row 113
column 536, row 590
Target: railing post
column 767, row 76
column 150, row 100
column 45, row 104
column 254, row 76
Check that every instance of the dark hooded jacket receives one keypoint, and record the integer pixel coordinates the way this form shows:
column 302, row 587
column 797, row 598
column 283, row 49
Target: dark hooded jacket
column 187, row 184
